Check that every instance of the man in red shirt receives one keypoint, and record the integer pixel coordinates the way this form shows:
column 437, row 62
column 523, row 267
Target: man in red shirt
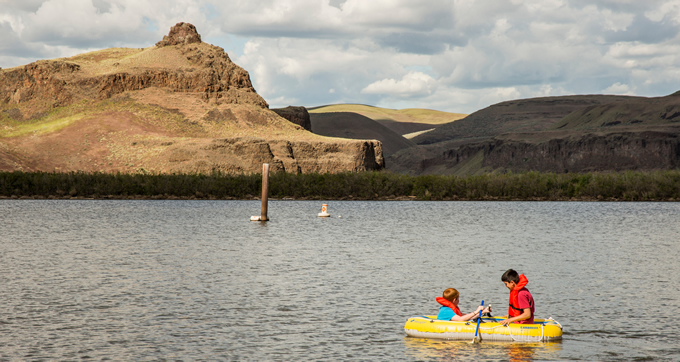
column 521, row 305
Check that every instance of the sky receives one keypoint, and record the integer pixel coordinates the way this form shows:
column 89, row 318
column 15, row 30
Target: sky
column 449, row 55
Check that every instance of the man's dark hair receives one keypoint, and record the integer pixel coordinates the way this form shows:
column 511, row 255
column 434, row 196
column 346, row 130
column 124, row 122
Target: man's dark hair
column 510, row 275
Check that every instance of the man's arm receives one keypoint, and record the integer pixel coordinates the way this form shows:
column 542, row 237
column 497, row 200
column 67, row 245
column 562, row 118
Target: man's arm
column 526, row 314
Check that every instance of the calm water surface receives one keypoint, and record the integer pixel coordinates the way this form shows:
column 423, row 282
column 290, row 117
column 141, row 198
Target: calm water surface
column 195, row 280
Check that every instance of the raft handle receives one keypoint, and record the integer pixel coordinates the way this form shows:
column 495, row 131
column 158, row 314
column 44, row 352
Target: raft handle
column 558, row 323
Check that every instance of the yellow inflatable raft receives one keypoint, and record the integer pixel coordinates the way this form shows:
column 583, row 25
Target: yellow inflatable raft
column 543, row 330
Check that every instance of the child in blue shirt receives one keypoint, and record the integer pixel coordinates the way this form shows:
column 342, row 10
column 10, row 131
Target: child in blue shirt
column 449, row 310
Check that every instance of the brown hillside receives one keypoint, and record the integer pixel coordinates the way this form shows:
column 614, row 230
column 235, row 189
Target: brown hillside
column 523, row 115
column 628, row 133
column 356, row 126
column 402, row 121
column 179, row 106
column 637, row 113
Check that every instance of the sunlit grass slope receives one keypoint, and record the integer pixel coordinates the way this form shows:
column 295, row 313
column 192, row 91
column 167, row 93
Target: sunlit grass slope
column 172, row 122
column 116, row 60
column 410, row 115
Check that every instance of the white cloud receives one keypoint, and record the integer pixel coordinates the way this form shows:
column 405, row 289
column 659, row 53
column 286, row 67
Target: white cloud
column 456, row 55
column 15, row 22
column 669, row 9
column 414, row 14
column 618, row 88
column 412, row 84
column 616, row 21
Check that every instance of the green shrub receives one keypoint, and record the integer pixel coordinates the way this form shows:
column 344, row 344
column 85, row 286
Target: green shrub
column 629, row 185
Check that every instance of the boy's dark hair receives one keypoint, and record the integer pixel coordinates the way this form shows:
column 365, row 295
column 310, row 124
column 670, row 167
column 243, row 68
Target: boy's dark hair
column 510, row 275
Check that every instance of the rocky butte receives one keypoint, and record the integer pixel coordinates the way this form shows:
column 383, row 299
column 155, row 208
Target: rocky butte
column 181, row 106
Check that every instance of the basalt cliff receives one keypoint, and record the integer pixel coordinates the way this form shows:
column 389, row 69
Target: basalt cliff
column 179, row 106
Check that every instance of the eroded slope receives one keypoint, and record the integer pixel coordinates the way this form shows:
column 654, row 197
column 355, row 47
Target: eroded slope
column 179, row 106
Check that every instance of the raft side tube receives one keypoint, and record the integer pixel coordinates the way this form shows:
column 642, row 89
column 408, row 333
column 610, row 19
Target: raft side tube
column 543, row 330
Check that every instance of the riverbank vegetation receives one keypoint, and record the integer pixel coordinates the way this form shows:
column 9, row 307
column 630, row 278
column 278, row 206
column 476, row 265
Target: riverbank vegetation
column 625, row 186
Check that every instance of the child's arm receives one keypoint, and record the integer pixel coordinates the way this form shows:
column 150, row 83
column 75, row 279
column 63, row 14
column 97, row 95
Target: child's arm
column 468, row 316
column 526, row 314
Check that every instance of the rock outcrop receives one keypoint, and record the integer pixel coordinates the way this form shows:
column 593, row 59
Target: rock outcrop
column 179, row 106
column 43, row 80
column 180, row 34
column 246, row 155
column 619, row 151
column 201, row 69
column 296, row 115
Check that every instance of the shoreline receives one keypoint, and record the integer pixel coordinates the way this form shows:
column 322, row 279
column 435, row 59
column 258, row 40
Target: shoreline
column 314, row 198
column 360, row 186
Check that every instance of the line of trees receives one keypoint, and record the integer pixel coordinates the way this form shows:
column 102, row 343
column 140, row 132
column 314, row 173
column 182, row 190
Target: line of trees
column 629, row 186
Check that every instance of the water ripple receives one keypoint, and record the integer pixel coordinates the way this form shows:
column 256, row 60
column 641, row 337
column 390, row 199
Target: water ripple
column 195, row 280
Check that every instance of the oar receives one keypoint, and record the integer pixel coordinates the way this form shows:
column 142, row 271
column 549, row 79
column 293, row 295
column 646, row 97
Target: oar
column 478, row 338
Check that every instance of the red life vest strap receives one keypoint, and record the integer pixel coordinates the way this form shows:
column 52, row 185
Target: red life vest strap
column 448, row 303
column 514, row 297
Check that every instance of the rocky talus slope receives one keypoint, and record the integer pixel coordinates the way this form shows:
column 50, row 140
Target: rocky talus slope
column 179, row 106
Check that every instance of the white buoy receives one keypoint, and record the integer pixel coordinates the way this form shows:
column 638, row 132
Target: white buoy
column 324, row 211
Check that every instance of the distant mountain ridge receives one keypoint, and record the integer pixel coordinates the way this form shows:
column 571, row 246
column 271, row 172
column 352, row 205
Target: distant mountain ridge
column 401, row 121
column 634, row 112
column 355, row 126
column 522, row 115
column 392, row 127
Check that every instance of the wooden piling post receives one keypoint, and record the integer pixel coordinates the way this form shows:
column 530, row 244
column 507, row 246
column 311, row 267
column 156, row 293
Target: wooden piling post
column 265, row 191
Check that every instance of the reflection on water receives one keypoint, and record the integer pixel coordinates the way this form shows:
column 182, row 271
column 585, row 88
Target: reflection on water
column 196, row 280
column 441, row 350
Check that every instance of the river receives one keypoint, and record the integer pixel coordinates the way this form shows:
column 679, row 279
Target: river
column 196, row 280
